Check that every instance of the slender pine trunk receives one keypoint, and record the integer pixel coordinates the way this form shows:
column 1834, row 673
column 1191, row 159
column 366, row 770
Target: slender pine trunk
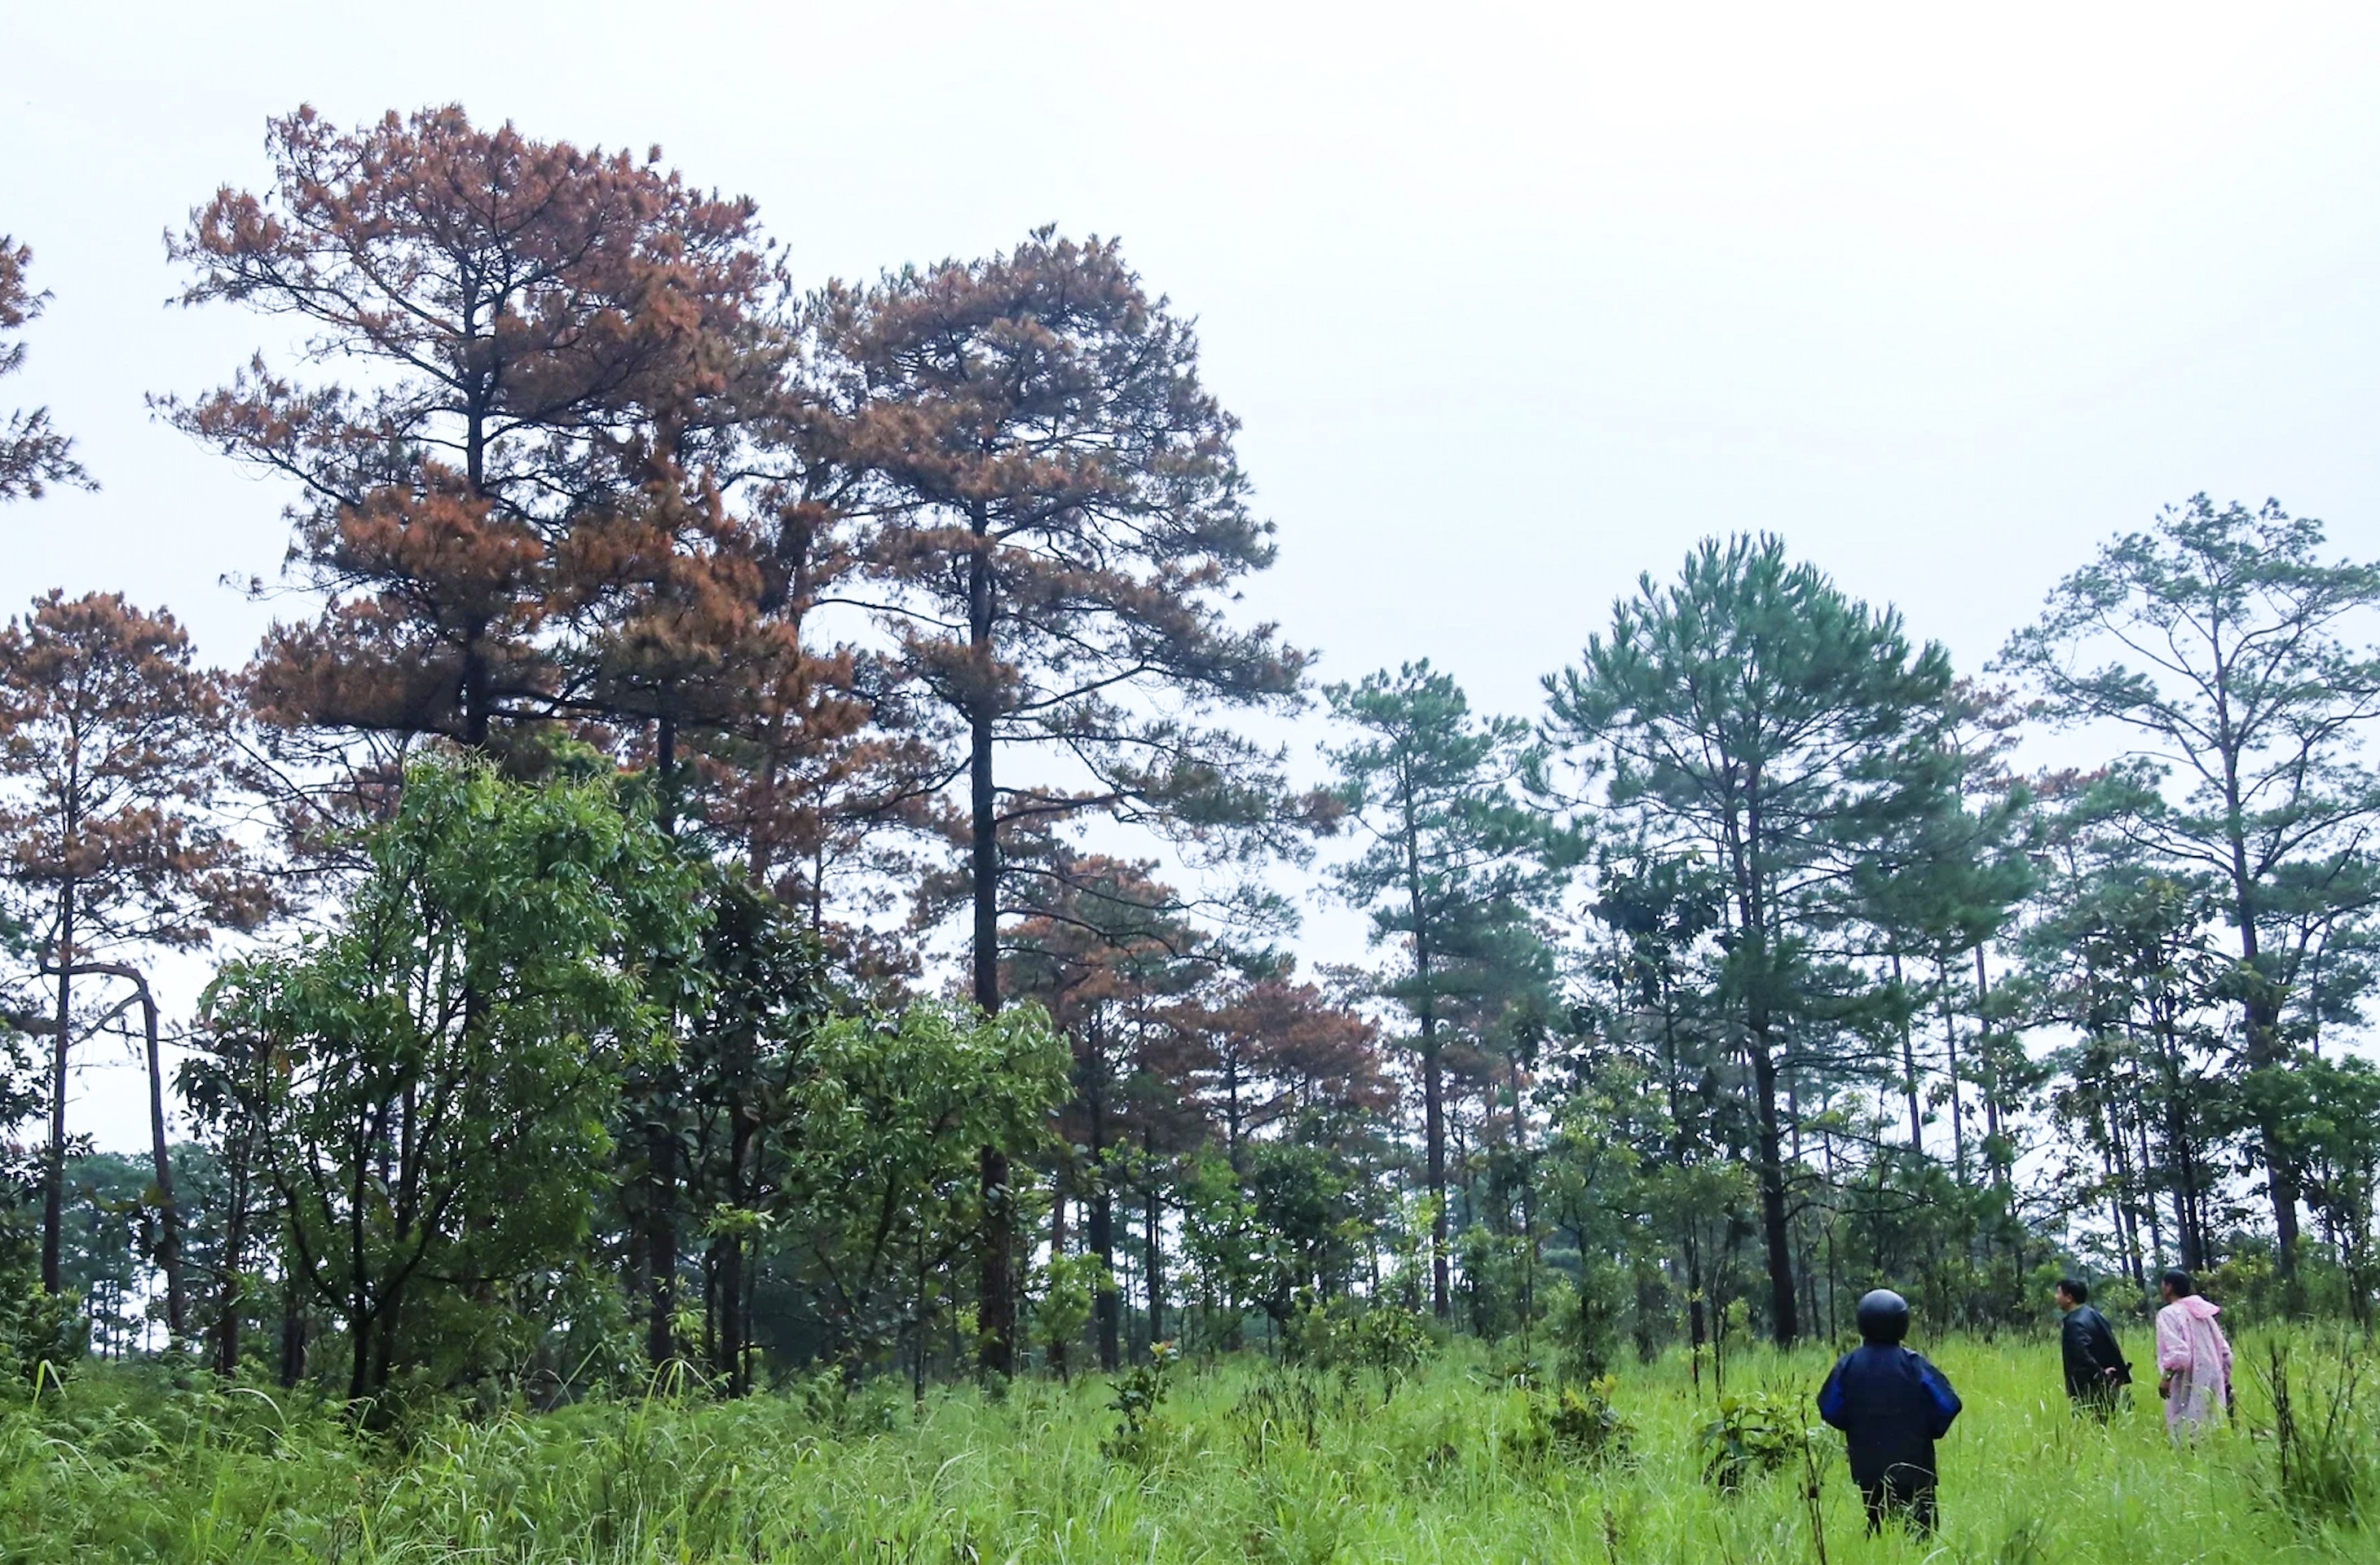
column 54, row 1159
column 996, row 1307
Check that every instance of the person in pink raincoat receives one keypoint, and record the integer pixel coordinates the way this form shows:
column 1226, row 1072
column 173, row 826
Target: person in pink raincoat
column 2194, row 1358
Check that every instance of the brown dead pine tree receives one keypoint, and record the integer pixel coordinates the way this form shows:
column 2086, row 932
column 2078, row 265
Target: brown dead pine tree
column 112, row 756
column 539, row 333
column 1061, row 521
column 513, row 309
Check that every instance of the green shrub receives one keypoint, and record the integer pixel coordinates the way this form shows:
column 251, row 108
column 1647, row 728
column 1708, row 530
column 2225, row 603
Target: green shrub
column 1752, row 1436
column 1574, row 1424
column 1140, row 1394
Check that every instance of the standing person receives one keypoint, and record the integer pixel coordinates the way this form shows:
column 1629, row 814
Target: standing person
column 2096, row 1366
column 2193, row 1357
column 1892, row 1406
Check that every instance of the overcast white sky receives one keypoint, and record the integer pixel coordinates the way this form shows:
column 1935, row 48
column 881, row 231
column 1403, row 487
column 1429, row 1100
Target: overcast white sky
column 1515, row 301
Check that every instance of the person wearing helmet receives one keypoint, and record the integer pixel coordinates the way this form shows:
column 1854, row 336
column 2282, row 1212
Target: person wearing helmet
column 1892, row 1406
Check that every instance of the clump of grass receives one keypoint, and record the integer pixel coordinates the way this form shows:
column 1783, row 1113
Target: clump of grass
column 2323, row 1468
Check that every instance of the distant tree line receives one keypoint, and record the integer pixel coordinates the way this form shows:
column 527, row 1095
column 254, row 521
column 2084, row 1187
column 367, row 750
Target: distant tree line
column 690, row 672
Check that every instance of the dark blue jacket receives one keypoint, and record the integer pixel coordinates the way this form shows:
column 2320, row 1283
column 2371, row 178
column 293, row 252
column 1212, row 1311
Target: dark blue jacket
column 1892, row 1406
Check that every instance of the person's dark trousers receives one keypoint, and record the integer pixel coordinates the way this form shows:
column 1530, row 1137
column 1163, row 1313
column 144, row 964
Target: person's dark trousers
column 2098, row 1401
column 1904, row 1496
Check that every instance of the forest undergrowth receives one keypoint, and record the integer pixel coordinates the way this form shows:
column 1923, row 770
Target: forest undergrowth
column 1468, row 1458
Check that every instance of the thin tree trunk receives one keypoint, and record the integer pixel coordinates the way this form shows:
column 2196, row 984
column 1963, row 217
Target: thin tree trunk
column 1909, row 1084
column 1950, row 1061
column 1108, row 1304
column 169, row 1211
column 734, row 1329
column 996, row 1313
column 661, row 1134
column 1990, row 1062
column 1433, row 1132
column 2148, row 1192
column 54, row 1161
column 1061, row 1351
column 1698, row 1305
column 661, row 1244
column 1152, row 1232
column 2262, row 1013
column 230, row 1284
column 1775, row 1224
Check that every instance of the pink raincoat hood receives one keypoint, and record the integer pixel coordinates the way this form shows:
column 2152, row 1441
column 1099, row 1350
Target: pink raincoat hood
column 2198, row 1307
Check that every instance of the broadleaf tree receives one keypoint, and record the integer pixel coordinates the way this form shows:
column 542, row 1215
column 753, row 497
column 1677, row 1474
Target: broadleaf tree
column 438, row 1073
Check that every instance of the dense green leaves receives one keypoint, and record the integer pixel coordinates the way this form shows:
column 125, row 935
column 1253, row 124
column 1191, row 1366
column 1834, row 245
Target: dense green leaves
column 880, row 1194
column 435, row 1074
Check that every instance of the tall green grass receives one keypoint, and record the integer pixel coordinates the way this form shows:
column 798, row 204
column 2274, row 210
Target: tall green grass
column 1245, row 1462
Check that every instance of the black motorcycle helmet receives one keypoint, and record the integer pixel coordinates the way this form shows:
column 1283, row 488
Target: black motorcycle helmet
column 1883, row 1315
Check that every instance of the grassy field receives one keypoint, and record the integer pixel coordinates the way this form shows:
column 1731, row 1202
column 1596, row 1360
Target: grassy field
column 1243, row 1460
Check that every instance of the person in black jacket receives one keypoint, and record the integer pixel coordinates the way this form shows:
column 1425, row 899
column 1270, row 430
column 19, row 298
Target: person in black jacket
column 1892, row 1406
column 2096, row 1366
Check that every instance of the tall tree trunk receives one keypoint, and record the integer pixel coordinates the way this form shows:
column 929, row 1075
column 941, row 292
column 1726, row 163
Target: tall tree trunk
column 2118, row 1169
column 1988, row 1059
column 1152, row 1230
column 734, row 1326
column 1909, row 1084
column 1950, row 1061
column 1433, row 1079
column 1107, row 1305
column 1745, row 855
column 996, row 1309
column 1775, row 1222
column 1061, row 1351
column 1698, row 1319
column 169, row 1211
column 1433, row 1097
column 54, row 1161
column 660, row 1241
column 1526, row 1169
column 2148, row 1190
column 661, row 1131
column 229, row 1283
column 2261, row 1006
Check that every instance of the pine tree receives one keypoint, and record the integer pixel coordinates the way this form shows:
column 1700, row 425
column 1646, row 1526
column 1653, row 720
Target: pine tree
column 2229, row 650
column 32, row 453
column 113, row 747
column 1752, row 711
column 1455, row 869
column 531, row 326
column 1062, row 519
